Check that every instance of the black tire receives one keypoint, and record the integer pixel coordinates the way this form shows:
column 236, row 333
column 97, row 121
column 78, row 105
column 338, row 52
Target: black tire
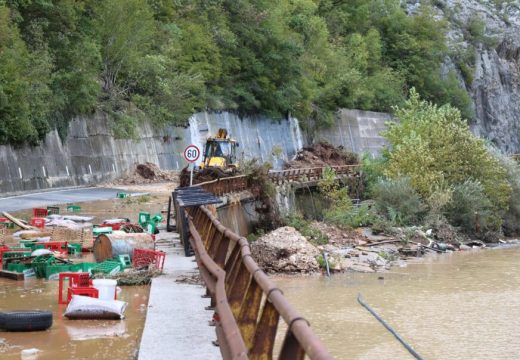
column 25, row 320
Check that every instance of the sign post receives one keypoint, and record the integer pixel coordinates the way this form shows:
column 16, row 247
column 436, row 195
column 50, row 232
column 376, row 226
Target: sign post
column 191, row 154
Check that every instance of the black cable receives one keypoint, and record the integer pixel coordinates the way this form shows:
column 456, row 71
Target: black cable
column 389, row 328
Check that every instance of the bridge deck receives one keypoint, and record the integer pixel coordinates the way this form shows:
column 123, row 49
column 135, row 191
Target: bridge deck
column 176, row 322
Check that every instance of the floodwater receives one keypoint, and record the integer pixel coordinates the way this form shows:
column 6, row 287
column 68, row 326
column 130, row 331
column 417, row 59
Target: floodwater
column 80, row 339
column 464, row 305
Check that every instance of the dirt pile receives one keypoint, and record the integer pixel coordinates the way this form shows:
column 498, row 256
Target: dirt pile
column 206, row 174
column 146, row 173
column 322, row 154
column 285, row 250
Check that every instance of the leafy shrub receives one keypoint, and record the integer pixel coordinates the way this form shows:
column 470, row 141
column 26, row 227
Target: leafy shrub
column 432, row 145
column 511, row 218
column 357, row 216
column 372, row 171
column 398, row 201
column 471, row 209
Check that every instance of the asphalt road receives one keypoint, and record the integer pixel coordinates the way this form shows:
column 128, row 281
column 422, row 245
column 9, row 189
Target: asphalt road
column 43, row 199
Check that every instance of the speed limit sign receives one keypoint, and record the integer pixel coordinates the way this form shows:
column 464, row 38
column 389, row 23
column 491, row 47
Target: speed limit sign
column 191, row 153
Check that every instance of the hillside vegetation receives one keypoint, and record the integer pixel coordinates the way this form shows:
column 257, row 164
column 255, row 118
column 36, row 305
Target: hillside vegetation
column 163, row 60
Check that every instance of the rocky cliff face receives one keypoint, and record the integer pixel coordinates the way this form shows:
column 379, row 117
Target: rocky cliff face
column 484, row 41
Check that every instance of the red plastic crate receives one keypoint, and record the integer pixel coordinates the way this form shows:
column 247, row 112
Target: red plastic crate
column 39, row 212
column 145, row 257
column 59, row 246
column 115, row 226
column 84, row 291
column 38, row 222
column 76, row 280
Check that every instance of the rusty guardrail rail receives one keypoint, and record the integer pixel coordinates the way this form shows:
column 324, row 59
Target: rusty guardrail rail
column 248, row 306
column 315, row 173
column 238, row 183
column 226, row 185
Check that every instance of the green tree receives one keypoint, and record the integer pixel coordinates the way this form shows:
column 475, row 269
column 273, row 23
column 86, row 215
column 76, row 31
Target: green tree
column 434, row 147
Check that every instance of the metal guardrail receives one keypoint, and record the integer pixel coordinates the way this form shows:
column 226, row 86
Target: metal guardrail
column 248, row 306
column 224, row 186
column 239, row 183
column 315, row 173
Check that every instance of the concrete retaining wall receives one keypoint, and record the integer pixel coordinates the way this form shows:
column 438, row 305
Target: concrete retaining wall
column 90, row 154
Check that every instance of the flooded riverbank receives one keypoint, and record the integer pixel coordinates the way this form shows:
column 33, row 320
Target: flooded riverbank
column 464, row 305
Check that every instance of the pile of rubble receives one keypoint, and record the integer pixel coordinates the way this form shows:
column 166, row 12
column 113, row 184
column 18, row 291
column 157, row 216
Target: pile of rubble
column 322, row 154
column 146, row 173
column 285, row 250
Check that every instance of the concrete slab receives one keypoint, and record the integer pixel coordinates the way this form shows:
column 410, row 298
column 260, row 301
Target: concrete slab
column 42, row 199
column 176, row 324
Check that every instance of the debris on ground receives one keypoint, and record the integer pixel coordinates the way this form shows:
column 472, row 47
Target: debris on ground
column 191, row 279
column 131, row 277
column 322, row 154
column 285, row 250
column 145, row 174
column 203, row 175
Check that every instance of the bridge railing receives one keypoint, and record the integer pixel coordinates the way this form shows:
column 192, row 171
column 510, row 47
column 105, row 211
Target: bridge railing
column 239, row 183
column 314, row 173
column 248, row 306
column 226, row 185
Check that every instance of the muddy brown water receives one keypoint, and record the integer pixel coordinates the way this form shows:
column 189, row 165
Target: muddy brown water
column 80, row 339
column 455, row 306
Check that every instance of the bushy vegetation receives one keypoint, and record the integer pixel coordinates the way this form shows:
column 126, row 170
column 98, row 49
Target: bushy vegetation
column 163, row 60
column 305, row 228
column 398, row 201
column 434, row 147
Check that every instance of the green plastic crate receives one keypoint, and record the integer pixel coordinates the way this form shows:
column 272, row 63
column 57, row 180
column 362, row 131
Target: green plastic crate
column 73, row 208
column 122, row 195
column 125, row 261
column 14, row 254
column 53, row 210
column 8, row 225
column 18, row 267
column 107, row 267
column 40, row 263
column 157, row 218
column 101, row 230
column 144, row 218
column 27, row 243
column 50, row 270
column 151, row 228
column 74, row 249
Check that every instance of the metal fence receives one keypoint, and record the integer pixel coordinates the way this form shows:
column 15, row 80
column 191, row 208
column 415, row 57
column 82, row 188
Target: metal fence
column 248, row 306
column 311, row 174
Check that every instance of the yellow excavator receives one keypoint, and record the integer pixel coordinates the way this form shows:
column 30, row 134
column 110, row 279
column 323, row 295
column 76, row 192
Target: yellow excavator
column 220, row 151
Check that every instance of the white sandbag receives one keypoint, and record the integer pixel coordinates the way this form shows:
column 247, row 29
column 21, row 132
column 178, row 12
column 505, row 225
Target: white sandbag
column 84, row 307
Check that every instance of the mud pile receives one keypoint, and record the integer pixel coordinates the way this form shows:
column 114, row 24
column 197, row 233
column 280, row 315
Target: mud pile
column 146, row 173
column 322, row 154
column 285, row 250
column 206, row 174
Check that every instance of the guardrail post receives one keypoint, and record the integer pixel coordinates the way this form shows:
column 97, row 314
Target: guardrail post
column 265, row 333
column 291, row 348
column 249, row 312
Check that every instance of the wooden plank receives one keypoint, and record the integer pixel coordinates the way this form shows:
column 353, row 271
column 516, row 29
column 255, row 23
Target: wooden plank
column 18, row 222
column 12, row 275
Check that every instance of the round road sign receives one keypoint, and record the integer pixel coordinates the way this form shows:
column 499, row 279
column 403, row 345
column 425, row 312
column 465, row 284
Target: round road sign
column 191, row 153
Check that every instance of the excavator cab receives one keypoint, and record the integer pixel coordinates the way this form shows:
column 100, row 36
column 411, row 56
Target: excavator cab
column 220, row 152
